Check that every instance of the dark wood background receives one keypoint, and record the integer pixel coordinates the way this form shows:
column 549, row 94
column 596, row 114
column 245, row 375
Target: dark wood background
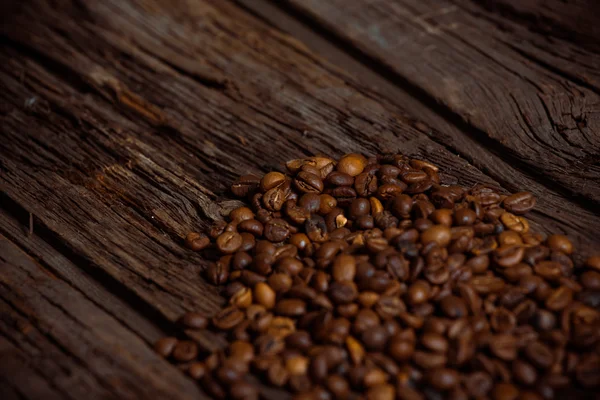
column 123, row 122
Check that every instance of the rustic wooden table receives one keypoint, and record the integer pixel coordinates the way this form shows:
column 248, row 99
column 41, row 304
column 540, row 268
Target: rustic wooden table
column 122, row 123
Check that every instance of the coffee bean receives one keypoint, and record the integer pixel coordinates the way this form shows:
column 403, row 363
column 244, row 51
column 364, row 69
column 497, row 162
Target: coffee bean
column 352, row 164
column 434, row 342
column 196, row 241
column 519, row 203
column 184, row 351
column 164, row 347
column 524, row 372
column 539, row 355
column 443, row 378
column 194, row 320
column 264, row 295
column 559, row 299
column 227, row 318
column 344, row 268
column 197, row 370
column 290, row 307
column 245, row 185
column 277, row 230
column 478, row 384
column 229, row 242
column 338, row 386
column 381, row 392
column 453, row 307
column 339, row 179
column 307, row 182
column 504, row 346
column 560, row 243
column 365, row 184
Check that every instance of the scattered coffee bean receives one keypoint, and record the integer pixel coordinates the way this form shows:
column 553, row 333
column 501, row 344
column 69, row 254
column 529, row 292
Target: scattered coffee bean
column 368, row 275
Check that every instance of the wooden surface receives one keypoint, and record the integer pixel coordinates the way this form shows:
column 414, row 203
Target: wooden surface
column 123, row 122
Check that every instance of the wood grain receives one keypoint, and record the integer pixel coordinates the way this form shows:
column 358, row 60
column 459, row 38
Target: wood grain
column 528, row 113
column 56, row 343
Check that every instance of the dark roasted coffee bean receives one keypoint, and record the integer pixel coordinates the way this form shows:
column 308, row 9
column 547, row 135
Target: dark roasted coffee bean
column 252, row 226
column 316, row 229
column 365, row 184
column 164, row 347
column 217, row 273
column 504, row 346
column 339, row 179
column 524, row 372
column 229, row 242
column 277, row 230
column 184, row 351
column 228, row 318
column 240, row 260
column 359, row 207
column 290, row 307
column 539, row 355
column 196, row 241
column 342, row 292
column 194, row 320
column 519, row 203
column 443, row 378
column 478, row 384
column 245, row 185
column 307, row 182
column 453, row 307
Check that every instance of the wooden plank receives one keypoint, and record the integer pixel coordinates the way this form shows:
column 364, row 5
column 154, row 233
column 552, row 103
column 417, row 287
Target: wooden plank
column 58, row 344
column 528, row 113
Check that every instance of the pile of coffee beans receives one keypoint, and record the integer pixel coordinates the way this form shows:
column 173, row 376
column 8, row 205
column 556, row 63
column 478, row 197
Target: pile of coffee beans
column 367, row 277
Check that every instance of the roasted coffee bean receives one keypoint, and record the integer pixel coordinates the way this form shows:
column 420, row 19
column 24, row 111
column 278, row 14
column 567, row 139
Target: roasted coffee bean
column 443, row 378
column 277, row 230
column 327, row 204
column 504, row 346
column 197, row 370
column 229, row 242
column 194, row 320
column 365, row 184
column 217, row 273
column 290, row 307
column 185, row 350
column 164, row 347
column 352, row 164
column 519, row 203
column 453, row 307
column 376, row 276
column 307, row 182
column 245, row 185
column 227, row 318
column 197, row 241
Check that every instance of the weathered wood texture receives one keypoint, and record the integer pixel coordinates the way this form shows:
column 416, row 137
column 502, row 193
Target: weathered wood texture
column 122, row 124
column 531, row 98
column 574, row 20
column 56, row 342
